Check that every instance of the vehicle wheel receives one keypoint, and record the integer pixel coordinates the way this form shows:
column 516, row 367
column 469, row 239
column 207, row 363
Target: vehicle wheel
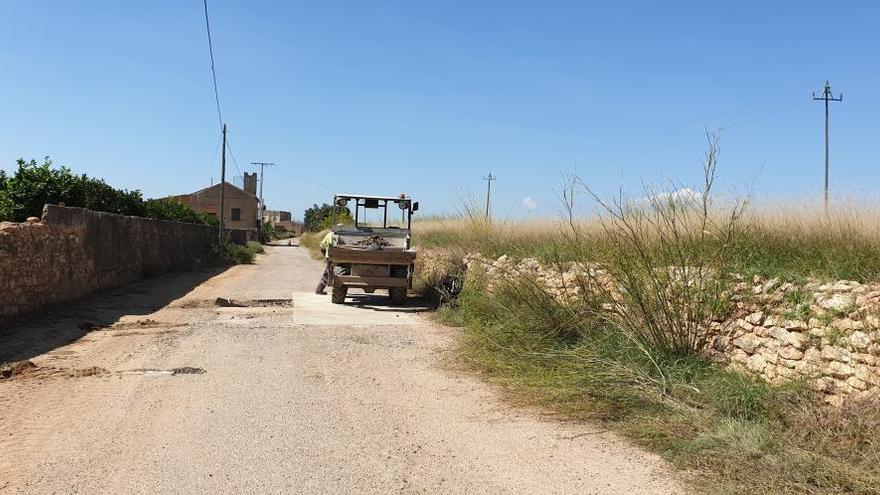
column 339, row 293
column 398, row 295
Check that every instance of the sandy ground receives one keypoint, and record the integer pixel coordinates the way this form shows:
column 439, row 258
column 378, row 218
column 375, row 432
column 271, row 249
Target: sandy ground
column 309, row 397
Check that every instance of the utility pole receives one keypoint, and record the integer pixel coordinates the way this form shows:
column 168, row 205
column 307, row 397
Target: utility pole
column 488, row 180
column 222, row 186
column 827, row 97
column 262, row 204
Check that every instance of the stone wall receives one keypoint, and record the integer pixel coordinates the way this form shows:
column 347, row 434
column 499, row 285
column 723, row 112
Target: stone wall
column 827, row 334
column 73, row 252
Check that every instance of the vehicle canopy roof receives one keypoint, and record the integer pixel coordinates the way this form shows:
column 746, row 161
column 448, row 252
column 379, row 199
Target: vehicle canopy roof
column 368, row 196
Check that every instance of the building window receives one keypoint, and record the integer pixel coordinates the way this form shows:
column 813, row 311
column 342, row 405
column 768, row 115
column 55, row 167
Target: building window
column 236, row 214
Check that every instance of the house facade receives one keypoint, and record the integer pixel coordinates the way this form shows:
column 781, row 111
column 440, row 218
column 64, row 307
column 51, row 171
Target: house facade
column 240, row 206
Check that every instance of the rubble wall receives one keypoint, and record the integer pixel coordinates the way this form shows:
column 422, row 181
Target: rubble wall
column 826, row 334
column 73, row 252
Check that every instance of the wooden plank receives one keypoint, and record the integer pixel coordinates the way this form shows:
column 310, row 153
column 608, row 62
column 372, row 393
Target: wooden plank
column 390, row 257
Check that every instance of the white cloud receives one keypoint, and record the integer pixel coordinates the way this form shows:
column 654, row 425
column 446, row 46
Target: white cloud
column 530, row 204
column 684, row 194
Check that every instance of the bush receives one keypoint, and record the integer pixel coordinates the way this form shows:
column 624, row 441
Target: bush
column 267, row 232
column 236, row 254
column 178, row 211
column 34, row 185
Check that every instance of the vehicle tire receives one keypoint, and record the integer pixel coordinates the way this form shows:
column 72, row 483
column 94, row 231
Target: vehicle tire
column 339, row 293
column 397, row 295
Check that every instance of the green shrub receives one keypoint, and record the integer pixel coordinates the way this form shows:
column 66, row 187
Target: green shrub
column 34, row 185
column 178, row 211
column 237, row 254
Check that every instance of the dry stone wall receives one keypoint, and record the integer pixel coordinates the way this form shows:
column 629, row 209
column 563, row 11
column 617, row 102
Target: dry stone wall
column 72, row 252
column 827, row 334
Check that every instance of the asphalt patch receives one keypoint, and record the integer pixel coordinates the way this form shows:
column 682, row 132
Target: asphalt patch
column 187, row 370
column 251, row 303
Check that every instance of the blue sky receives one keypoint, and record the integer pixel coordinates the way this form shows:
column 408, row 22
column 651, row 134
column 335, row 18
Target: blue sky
column 428, row 97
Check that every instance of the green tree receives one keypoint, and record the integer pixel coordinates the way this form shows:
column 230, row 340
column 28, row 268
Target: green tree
column 5, row 203
column 176, row 210
column 317, row 217
column 34, row 185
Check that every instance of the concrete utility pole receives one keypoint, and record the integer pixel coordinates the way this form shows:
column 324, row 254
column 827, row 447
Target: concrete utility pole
column 262, row 204
column 827, row 97
column 488, row 180
column 222, row 186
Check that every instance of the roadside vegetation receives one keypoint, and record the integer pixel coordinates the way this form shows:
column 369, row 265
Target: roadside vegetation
column 629, row 355
column 238, row 254
column 317, row 218
column 311, row 241
column 33, row 185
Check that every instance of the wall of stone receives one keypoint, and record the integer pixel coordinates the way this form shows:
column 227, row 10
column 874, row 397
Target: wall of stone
column 827, row 334
column 73, row 252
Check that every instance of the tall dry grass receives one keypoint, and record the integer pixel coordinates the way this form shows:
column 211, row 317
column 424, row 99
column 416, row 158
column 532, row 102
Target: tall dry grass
column 636, row 365
column 780, row 239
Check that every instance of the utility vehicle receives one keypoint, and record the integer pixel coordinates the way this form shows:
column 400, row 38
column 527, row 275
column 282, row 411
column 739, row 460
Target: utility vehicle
column 375, row 251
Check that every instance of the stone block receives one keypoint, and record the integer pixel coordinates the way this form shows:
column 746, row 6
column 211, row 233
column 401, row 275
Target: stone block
column 859, row 340
column 748, row 343
column 756, row 318
column 839, row 370
column 756, row 363
column 790, row 353
column 834, row 353
column 796, row 326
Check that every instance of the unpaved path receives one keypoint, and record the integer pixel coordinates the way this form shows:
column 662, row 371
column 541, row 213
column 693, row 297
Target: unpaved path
column 309, row 398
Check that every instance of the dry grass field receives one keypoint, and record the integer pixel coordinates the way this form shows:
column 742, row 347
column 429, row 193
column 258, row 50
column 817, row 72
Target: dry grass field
column 729, row 432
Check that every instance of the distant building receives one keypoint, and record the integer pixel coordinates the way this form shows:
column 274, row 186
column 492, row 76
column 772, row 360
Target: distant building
column 282, row 220
column 295, row 228
column 240, row 216
column 276, row 216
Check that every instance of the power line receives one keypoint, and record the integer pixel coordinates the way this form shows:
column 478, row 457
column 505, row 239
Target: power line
column 214, row 159
column 213, row 72
column 232, row 155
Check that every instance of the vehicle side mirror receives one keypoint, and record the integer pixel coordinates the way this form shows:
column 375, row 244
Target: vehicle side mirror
column 415, row 206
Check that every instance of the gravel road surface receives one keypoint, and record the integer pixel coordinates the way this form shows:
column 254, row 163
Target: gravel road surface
column 156, row 388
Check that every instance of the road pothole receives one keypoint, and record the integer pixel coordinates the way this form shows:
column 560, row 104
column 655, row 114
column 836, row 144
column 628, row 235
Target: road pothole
column 252, row 303
column 187, row 370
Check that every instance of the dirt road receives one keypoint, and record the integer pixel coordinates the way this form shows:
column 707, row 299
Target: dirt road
column 155, row 389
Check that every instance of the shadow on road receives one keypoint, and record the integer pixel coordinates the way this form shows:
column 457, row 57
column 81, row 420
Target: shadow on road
column 381, row 303
column 34, row 334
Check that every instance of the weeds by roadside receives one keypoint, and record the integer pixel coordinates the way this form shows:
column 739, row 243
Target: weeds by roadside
column 628, row 352
column 729, row 432
column 238, row 254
